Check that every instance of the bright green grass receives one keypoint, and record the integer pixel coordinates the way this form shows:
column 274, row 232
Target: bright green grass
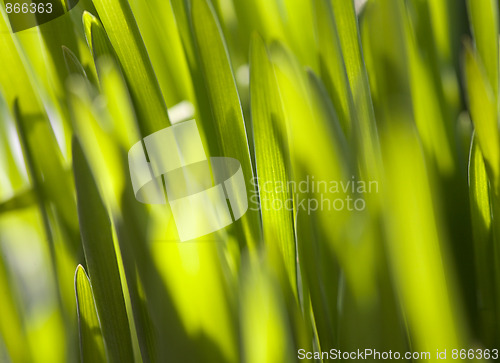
column 403, row 94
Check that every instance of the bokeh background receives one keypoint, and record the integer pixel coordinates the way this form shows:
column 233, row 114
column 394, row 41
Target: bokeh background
column 401, row 93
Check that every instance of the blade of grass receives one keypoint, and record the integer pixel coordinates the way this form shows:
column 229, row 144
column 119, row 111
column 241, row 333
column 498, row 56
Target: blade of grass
column 226, row 136
column 21, row 200
column 428, row 104
column 123, row 33
column 91, row 340
column 483, row 246
column 348, row 31
column 271, row 155
column 72, row 63
column 331, row 64
column 420, row 265
column 101, row 260
column 483, row 16
column 483, row 110
column 156, row 22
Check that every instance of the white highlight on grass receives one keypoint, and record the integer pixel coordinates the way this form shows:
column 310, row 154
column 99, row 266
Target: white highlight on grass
column 182, row 111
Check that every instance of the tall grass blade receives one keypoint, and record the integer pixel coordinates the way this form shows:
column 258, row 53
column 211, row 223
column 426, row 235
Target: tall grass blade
column 91, row 340
column 101, row 261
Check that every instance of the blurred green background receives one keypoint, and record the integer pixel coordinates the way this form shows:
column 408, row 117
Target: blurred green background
column 404, row 93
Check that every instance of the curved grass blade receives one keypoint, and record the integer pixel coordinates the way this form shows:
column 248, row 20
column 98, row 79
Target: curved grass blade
column 101, row 261
column 91, row 341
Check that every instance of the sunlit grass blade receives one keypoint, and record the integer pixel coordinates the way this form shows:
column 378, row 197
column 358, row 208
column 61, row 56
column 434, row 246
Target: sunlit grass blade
column 91, row 340
column 428, row 297
column 348, row 32
column 271, row 154
column 101, row 261
column 36, row 133
column 159, row 30
column 483, row 16
column 331, row 64
column 305, row 123
column 97, row 39
column 123, row 33
column 429, row 111
column 483, row 110
column 226, row 136
column 266, row 333
column 484, row 251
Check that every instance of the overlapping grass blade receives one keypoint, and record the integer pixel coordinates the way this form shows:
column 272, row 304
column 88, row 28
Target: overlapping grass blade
column 428, row 295
column 91, row 339
column 162, row 39
column 348, row 32
column 123, row 33
column 483, row 17
column 427, row 101
column 271, row 156
column 226, row 136
column 306, row 161
column 484, row 251
column 483, row 110
column 331, row 64
column 73, row 65
column 37, row 135
column 101, row 260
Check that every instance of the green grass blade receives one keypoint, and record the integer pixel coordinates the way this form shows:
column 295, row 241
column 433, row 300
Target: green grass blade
column 429, row 110
column 226, row 136
column 73, row 65
column 271, row 154
column 430, row 292
column 123, row 33
column 97, row 39
column 159, row 30
column 483, row 238
column 347, row 26
column 331, row 63
column 266, row 332
column 91, row 340
column 21, row 200
column 483, row 17
column 483, row 110
column 101, row 261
